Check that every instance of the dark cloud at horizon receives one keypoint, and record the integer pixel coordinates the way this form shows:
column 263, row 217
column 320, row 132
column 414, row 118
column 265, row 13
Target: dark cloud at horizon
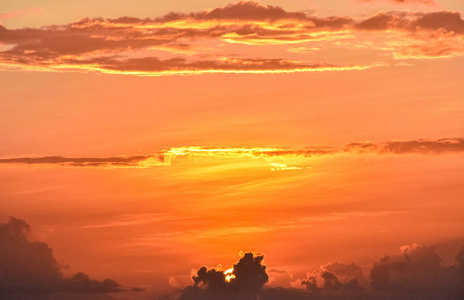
column 248, row 278
column 28, row 267
column 415, row 274
column 335, row 276
column 77, row 162
column 417, row 268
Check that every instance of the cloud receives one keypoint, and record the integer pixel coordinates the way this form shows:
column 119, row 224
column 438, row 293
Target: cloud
column 20, row 12
column 345, row 271
column 282, row 167
column 439, row 146
column 121, row 161
column 246, row 280
column 152, row 66
column 426, row 2
column 417, row 268
column 414, row 21
column 335, row 276
column 415, row 274
column 29, row 267
column 123, row 45
column 243, row 10
column 168, row 156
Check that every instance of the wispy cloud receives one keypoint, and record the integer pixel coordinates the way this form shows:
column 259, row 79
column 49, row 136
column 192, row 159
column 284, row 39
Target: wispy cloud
column 404, row 2
column 168, row 156
column 20, row 12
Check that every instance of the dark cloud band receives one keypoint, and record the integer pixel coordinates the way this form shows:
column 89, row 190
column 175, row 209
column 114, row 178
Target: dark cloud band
column 166, row 157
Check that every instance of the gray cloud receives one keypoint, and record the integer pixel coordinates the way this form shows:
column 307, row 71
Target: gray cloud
column 249, row 277
column 77, row 162
column 415, row 274
column 416, row 269
column 439, row 146
column 29, row 267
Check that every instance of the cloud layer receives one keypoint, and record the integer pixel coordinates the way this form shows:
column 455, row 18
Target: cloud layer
column 167, row 157
column 123, row 45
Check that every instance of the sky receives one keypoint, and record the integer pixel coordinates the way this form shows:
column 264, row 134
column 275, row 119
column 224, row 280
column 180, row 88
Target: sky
column 315, row 148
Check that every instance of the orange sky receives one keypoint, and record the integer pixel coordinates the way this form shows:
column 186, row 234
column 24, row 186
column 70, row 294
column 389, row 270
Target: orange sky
column 185, row 139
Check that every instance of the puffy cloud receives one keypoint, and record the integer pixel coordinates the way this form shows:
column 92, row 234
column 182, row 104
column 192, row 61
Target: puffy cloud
column 250, row 273
column 29, row 267
column 212, row 279
column 415, row 274
column 417, row 268
column 243, row 10
column 246, row 280
column 335, row 276
column 345, row 271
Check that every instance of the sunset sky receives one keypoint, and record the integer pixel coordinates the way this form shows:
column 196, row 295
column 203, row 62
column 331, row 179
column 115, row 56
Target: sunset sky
column 143, row 140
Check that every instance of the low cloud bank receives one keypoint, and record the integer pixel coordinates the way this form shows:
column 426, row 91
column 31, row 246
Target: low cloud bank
column 29, row 267
column 414, row 274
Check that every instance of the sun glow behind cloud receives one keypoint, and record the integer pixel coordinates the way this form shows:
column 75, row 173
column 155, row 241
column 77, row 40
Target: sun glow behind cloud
column 278, row 158
column 278, row 163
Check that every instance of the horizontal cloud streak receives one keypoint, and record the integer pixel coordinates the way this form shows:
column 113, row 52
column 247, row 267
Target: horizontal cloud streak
column 426, row 2
column 20, row 12
column 166, row 157
column 108, row 45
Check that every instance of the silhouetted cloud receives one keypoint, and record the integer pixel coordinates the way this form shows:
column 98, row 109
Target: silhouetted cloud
column 417, row 268
column 415, row 274
column 245, row 280
column 345, row 271
column 29, row 267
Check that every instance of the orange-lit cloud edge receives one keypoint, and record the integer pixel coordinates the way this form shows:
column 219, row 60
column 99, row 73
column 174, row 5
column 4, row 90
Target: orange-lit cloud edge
column 166, row 157
column 110, row 45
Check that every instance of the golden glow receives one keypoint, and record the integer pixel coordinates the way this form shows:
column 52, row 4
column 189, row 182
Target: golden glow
column 282, row 167
column 217, row 163
column 186, row 72
column 229, row 274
